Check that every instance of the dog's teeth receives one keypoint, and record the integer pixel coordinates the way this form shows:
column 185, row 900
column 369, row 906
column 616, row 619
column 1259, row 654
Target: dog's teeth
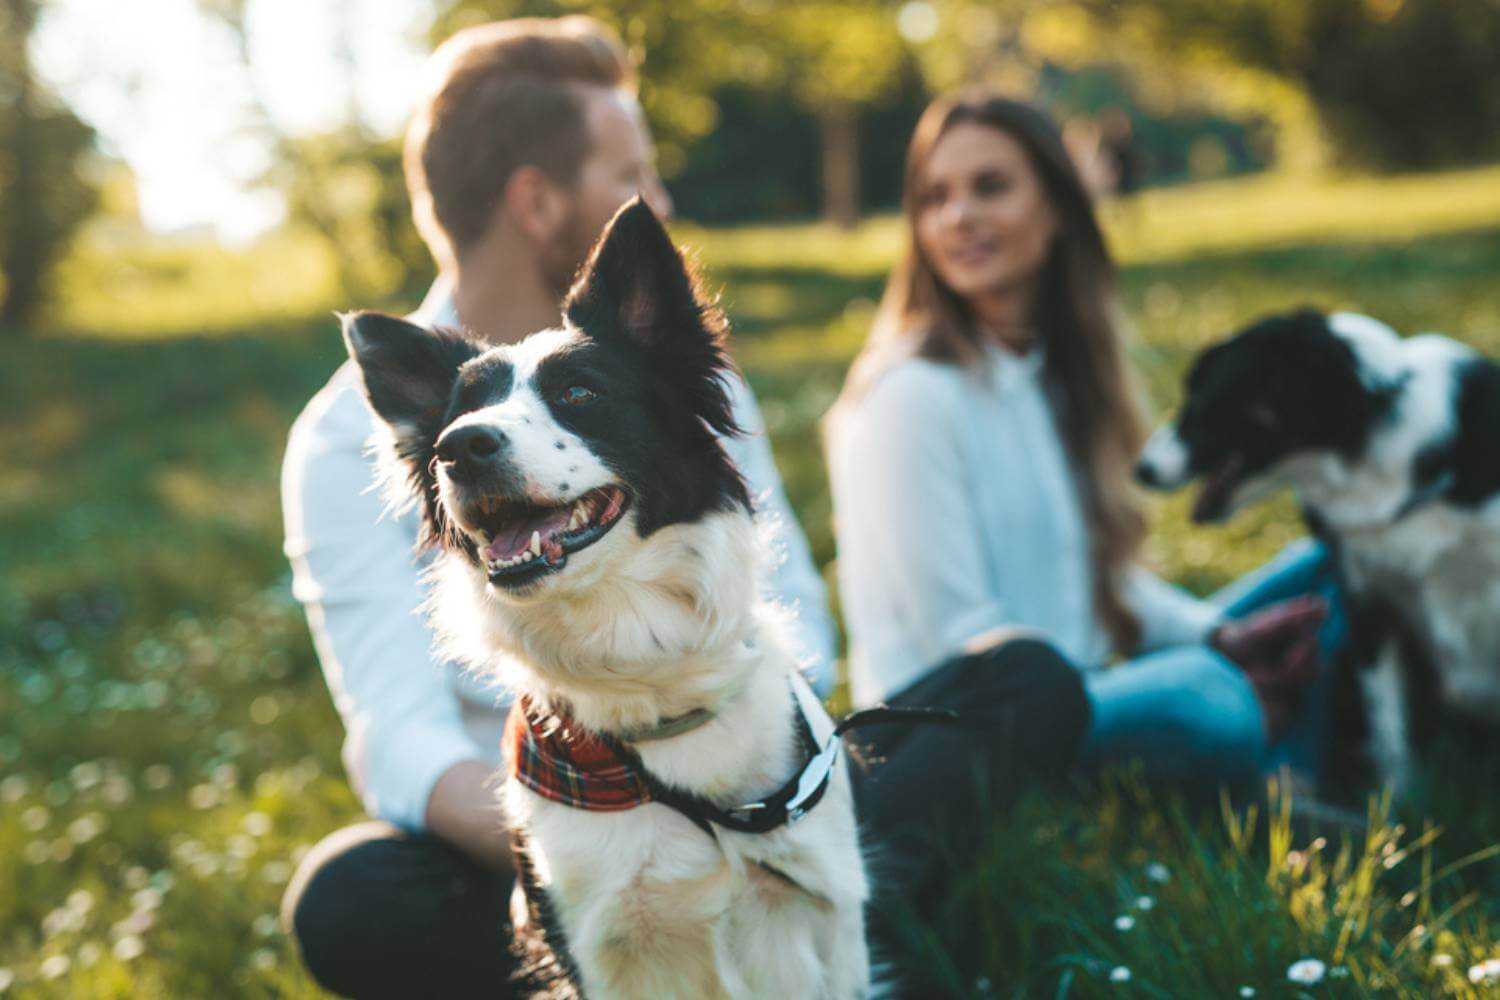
column 536, row 543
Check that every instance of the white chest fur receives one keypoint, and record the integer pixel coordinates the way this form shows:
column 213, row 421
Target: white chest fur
column 652, row 906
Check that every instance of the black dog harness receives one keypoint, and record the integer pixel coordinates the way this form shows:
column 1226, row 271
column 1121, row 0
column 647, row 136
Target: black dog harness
column 594, row 772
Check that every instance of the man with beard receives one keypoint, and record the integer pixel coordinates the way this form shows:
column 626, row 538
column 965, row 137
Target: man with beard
column 529, row 140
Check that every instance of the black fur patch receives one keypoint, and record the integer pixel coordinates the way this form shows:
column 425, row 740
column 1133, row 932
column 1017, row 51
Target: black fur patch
column 652, row 352
column 1476, row 451
column 409, row 375
column 655, row 349
column 1283, row 385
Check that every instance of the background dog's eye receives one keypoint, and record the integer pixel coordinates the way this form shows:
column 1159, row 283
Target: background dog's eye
column 575, row 394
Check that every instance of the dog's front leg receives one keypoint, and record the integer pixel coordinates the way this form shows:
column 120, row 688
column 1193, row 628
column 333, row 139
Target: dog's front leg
column 1385, row 701
column 651, row 942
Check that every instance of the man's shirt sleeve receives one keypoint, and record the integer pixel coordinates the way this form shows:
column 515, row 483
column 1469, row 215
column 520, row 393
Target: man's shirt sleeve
column 354, row 571
column 793, row 582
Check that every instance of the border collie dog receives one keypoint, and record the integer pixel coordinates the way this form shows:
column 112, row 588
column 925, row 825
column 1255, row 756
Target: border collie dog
column 1392, row 446
column 596, row 550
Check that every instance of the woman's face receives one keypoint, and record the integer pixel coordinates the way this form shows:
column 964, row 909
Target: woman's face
column 983, row 218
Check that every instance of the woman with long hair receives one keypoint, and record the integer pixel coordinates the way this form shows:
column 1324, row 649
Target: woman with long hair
column 981, row 457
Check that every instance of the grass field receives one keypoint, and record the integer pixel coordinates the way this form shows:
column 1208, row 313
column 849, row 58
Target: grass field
column 167, row 747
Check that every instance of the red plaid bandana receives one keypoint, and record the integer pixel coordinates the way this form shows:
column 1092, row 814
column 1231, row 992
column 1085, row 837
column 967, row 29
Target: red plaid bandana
column 556, row 759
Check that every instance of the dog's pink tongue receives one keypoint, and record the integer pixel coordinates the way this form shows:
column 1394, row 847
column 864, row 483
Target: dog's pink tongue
column 515, row 537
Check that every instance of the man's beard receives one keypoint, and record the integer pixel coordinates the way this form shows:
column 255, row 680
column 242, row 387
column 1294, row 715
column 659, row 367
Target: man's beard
column 565, row 254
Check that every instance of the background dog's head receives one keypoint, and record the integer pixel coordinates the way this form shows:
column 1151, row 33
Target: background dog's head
column 532, row 458
column 1294, row 384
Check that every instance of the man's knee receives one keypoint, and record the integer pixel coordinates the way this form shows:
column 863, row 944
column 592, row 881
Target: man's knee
column 374, row 910
column 1042, row 690
column 1032, row 670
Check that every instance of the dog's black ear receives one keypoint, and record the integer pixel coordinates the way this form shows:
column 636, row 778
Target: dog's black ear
column 635, row 283
column 407, row 371
column 637, row 290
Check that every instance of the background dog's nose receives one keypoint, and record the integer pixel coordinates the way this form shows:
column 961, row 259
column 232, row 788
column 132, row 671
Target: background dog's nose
column 1145, row 472
column 472, row 445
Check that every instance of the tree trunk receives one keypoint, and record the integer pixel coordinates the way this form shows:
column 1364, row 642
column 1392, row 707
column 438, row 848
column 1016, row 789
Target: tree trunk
column 840, row 128
column 18, row 258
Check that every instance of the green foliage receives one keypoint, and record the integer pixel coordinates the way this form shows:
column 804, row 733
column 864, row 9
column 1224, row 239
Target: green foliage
column 168, row 749
column 1397, row 83
column 44, row 194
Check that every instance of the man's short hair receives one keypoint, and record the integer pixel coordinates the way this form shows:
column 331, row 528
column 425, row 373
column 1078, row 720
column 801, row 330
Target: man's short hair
column 505, row 95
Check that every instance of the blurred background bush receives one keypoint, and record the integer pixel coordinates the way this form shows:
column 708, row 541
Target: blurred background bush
column 188, row 188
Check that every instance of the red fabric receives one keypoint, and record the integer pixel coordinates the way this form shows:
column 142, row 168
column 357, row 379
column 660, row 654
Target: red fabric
column 554, row 757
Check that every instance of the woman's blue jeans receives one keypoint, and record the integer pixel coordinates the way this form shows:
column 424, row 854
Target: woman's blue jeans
column 1187, row 712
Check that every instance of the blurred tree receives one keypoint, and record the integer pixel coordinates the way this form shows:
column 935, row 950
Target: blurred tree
column 44, row 194
column 344, row 184
column 1396, row 83
column 831, row 58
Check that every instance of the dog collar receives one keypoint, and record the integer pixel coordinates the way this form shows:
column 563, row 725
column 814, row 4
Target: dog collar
column 557, row 759
column 668, row 728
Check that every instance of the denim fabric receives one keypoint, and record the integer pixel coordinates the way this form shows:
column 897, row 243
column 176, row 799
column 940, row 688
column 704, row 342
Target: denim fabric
column 1187, row 712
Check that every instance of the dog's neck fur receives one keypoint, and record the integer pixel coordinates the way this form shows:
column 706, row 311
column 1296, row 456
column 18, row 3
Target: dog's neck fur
column 672, row 624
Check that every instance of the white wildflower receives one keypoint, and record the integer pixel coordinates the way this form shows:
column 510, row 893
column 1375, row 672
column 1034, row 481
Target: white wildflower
column 1442, row 960
column 1485, row 973
column 36, row 818
column 86, row 827
column 1144, row 902
column 129, row 947
column 14, row 788
column 157, row 776
column 89, row 954
column 1307, row 971
column 1158, row 873
column 256, row 824
column 204, row 796
column 1247, row 992
column 55, row 967
column 263, row 959
column 265, row 925
column 1124, row 922
column 6, row 979
column 86, row 775
column 1119, row 974
column 146, row 899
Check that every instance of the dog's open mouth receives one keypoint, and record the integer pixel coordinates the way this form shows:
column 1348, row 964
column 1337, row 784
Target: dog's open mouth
column 1218, row 489
column 526, row 541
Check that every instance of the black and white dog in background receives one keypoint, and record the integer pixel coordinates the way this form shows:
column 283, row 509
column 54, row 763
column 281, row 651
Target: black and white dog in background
column 597, row 551
column 1392, row 446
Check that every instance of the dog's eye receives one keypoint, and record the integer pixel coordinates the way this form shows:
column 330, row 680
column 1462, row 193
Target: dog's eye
column 574, row 395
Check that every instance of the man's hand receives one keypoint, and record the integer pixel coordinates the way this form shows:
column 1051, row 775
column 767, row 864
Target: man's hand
column 465, row 811
column 1277, row 648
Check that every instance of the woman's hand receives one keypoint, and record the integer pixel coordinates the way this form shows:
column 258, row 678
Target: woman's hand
column 1277, row 648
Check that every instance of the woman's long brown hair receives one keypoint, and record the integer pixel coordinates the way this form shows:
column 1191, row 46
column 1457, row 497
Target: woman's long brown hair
column 1075, row 320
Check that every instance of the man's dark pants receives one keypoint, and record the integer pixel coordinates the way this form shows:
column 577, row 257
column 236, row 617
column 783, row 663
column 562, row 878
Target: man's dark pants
column 378, row 912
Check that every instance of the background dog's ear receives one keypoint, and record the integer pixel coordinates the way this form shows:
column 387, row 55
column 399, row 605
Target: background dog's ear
column 407, row 371
column 636, row 289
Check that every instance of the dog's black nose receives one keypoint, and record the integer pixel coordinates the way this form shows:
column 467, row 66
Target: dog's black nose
column 471, row 446
column 1145, row 473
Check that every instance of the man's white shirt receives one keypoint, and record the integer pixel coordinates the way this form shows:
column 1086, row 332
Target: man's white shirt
column 408, row 715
